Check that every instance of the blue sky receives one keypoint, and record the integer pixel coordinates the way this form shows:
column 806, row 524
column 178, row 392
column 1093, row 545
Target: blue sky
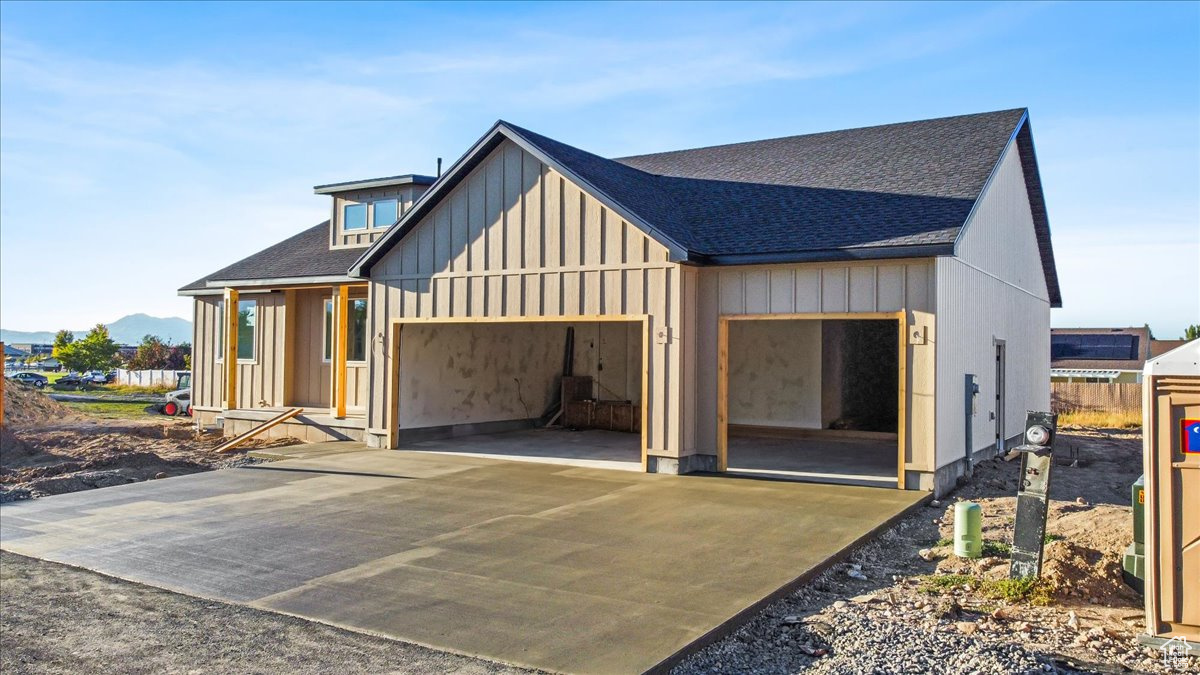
column 146, row 145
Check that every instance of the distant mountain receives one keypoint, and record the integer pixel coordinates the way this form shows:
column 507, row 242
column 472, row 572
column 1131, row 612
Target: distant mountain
column 128, row 330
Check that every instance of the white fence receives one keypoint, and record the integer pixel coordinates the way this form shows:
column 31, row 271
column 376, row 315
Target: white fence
column 148, row 378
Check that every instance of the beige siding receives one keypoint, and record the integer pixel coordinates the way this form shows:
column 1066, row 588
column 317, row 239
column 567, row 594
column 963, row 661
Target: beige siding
column 340, row 238
column 995, row 290
column 311, row 386
column 260, row 380
column 518, row 240
column 814, row 289
column 208, row 379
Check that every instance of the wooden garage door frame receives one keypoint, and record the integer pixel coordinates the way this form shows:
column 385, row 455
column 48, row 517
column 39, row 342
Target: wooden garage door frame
column 397, row 330
column 901, row 317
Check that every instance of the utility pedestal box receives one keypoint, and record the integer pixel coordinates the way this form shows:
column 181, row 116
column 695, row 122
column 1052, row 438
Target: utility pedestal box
column 1133, row 565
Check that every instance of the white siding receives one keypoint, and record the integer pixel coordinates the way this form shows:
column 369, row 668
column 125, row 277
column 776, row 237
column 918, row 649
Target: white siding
column 994, row 290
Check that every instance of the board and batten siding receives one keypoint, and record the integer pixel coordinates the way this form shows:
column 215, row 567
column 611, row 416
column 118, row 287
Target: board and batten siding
column 516, row 239
column 259, row 380
column 406, row 195
column 993, row 289
column 822, row 288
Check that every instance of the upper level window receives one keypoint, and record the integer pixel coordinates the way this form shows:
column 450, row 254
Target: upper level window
column 384, row 212
column 354, row 217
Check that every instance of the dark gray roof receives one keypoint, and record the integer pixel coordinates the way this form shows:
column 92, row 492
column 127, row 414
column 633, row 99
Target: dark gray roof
column 346, row 186
column 1100, row 348
column 303, row 255
column 891, row 191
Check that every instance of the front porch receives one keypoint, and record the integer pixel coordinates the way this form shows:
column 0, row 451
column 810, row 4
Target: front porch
column 274, row 348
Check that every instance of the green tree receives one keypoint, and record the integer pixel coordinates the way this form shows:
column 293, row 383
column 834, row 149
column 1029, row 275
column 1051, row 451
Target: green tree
column 95, row 351
column 152, row 354
column 180, row 357
column 1191, row 332
column 61, row 339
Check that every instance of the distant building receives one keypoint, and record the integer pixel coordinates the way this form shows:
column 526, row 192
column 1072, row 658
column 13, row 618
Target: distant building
column 32, row 348
column 1103, row 354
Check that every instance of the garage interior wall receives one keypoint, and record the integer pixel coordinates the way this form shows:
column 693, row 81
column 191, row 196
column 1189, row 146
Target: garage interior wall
column 471, row 373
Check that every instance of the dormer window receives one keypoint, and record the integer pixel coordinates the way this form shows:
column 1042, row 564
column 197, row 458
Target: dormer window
column 354, row 217
column 384, row 212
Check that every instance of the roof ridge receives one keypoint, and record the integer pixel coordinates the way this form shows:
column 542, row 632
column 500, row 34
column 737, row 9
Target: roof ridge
column 819, row 133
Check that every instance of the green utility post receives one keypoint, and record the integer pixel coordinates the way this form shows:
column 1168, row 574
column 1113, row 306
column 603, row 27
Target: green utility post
column 1133, row 566
column 1033, row 494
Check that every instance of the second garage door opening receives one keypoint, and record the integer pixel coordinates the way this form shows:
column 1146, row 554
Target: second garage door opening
column 814, row 399
column 492, row 388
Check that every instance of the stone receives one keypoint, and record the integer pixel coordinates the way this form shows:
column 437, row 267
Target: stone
column 840, row 604
column 855, row 574
column 926, row 554
column 1072, row 620
column 966, row 627
column 160, row 475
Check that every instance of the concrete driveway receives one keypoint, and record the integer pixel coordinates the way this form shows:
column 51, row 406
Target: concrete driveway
column 562, row 568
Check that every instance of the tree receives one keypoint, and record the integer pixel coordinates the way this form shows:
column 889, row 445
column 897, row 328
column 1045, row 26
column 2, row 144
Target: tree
column 61, row 339
column 180, row 357
column 1191, row 332
column 152, row 354
column 96, row 351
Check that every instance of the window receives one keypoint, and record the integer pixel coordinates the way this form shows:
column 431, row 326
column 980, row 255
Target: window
column 384, row 212
column 354, row 217
column 356, row 330
column 247, row 320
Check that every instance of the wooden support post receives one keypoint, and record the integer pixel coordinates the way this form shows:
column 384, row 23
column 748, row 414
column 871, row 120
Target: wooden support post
column 231, row 348
column 722, row 394
column 342, row 325
column 392, row 412
column 902, row 403
column 274, row 421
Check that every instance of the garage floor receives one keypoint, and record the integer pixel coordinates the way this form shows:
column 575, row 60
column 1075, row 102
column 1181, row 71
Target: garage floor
column 592, row 448
column 562, row 568
column 848, row 461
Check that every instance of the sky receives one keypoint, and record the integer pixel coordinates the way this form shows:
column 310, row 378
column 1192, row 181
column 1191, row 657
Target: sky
column 145, row 145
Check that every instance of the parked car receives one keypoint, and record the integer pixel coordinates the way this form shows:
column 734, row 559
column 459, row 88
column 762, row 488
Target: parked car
column 97, row 377
column 34, row 379
column 71, row 380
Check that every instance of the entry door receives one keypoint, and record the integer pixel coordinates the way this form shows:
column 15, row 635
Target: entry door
column 1000, row 386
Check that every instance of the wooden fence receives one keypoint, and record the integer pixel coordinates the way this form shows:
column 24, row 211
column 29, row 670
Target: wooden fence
column 1095, row 396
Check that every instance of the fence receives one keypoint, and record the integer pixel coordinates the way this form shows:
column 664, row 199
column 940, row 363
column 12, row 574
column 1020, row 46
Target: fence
column 148, row 378
column 1125, row 397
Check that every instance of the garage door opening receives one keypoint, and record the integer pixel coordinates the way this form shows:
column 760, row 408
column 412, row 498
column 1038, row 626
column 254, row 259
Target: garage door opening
column 815, row 399
column 559, row 391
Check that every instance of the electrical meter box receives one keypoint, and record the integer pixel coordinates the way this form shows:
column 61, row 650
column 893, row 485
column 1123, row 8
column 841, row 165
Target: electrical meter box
column 1133, row 564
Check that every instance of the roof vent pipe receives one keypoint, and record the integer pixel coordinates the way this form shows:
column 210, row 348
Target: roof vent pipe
column 439, row 173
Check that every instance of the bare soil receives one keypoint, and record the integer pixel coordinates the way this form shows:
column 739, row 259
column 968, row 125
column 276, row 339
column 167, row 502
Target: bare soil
column 905, row 603
column 46, row 448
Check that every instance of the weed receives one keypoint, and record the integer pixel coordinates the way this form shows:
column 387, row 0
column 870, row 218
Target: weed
column 1032, row 591
column 944, row 541
column 995, row 549
column 1103, row 419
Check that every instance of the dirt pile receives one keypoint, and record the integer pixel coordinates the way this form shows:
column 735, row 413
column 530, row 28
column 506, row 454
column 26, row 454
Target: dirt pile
column 25, row 406
column 86, row 453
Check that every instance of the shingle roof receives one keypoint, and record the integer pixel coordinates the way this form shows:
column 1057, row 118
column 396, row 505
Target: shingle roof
column 303, row 255
column 891, row 191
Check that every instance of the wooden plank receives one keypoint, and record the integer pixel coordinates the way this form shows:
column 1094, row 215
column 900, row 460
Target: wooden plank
column 341, row 315
column 231, row 347
column 276, row 420
column 902, row 410
column 722, row 394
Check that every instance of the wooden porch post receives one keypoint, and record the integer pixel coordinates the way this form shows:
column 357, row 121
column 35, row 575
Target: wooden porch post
column 231, row 347
column 341, row 316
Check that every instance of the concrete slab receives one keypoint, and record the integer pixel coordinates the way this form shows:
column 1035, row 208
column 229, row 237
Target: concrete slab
column 825, row 459
column 307, row 450
column 593, row 448
column 562, row 568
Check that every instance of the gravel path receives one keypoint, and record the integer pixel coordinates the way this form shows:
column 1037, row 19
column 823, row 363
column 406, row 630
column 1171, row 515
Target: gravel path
column 59, row 619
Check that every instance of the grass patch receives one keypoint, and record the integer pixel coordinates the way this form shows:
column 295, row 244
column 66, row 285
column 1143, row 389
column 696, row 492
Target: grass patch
column 995, row 549
column 1052, row 537
column 129, row 389
column 111, row 411
column 944, row 541
column 1031, row 591
column 1101, row 419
